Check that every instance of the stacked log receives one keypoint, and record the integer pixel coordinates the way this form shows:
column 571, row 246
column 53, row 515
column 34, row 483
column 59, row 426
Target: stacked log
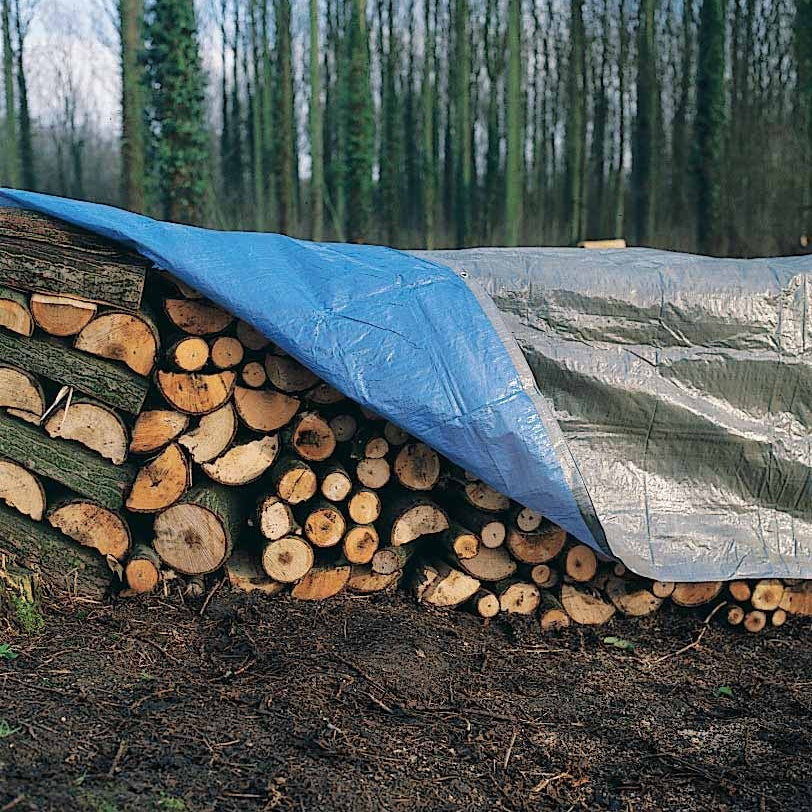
column 146, row 434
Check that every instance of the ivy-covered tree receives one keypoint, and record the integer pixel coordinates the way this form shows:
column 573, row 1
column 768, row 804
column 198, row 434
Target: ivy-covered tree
column 176, row 111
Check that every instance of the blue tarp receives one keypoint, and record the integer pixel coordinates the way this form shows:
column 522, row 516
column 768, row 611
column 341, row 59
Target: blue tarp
column 403, row 336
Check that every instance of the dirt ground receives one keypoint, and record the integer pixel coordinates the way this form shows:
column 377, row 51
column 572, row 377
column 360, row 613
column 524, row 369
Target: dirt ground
column 374, row 704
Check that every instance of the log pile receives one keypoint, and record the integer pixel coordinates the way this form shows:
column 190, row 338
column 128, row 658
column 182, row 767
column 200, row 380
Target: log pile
column 147, row 435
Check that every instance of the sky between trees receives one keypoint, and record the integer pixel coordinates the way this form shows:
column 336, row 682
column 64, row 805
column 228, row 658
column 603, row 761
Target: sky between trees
column 680, row 124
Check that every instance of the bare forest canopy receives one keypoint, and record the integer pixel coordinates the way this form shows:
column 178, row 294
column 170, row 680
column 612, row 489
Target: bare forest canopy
column 685, row 125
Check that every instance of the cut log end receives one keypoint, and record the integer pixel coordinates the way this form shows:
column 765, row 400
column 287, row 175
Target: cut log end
column 195, row 393
column 581, row 564
column 92, row 526
column 189, row 354
column 245, row 575
column 360, row 544
column 364, row 506
column 143, row 570
column 417, row 467
column 755, row 621
column 288, row 559
column 125, row 337
column 584, row 608
column 695, row 594
column 243, row 463
column 161, row 482
column 227, row 352
column 324, row 526
column 95, row 426
column 197, row 316
column 60, row 315
column 312, row 437
column 421, row 519
column 22, row 490
column 155, row 429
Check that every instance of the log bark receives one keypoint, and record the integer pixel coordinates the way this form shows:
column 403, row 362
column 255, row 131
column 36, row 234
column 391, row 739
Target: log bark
column 360, row 543
column 293, row 480
column 21, row 490
column 161, row 482
column 131, row 338
column 264, row 410
column 552, row 615
column 44, row 255
column 212, row 436
column 288, row 559
column 143, row 570
column 288, row 375
column 417, row 467
column 73, row 466
column 21, row 394
column 387, row 560
column 189, row 354
column 245, row 574
column 197, row 535
column 364, row 506
column 407, row 518
column 15, row 314
column 62, row 565
column 94, row 426
column 61, row 315
column 584, row 608
column 155, row 429
column 196, row 393
column 321, row 583
column 198, row 317
column 243, row 463
column 92, row 525
column 324, row 525
column 104, row 380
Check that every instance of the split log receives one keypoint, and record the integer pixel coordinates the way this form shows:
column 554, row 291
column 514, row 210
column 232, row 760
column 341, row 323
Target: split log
column 189, row 354
column 213, row 435
column 484, row 497
column 61, row 564
column 245, row 574
column 264, row 410
column 293, row 480
column 194, row 392
column 690, row 595
column 73, row 466
column 524, row 519
column 344, row 427
column 197, row 317
column 275, row 518
column 364, row 506
column 364, row 581
column 735, row 615
column 61, row 315
column 325, row 395
column 94, row 426
column 21, row 394
column 460, row 541
column 484, row 603
column 417, row 467
column 449, row 587
column 156, row 428
column 405, row 519
column 536, row 548
column 92, row 525
column 663, row 589
column 395, row 435
column 321, row 583
column 631, row 601
column 739, row 591
column 108, row 382
column 142, row 570
column 797, row 599
column 227, row 352
column 324, row 524
column 288, row 375
column 253, row 374
column 755, row 621
column 581, row 564
column 312, row 438
column 197, row 535
column 20, row 489
column 45, row 255
column 14, row 312
column 335, row 482
column 250, row 338
column 585, row 608
column 245, row 462
column 131, row 338
column 489, row 564
column 360, row 543
column 373, row 473
column 552, row 615
column 161, row 482
column 544, row 575
column 767, row 594
column 288, row 559
column 518, row 597
column 387, row 560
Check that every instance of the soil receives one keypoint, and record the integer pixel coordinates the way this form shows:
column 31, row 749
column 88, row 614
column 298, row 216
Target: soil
column 243, row 703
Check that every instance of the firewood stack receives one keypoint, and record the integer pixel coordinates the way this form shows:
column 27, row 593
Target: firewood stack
column 145, row 434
